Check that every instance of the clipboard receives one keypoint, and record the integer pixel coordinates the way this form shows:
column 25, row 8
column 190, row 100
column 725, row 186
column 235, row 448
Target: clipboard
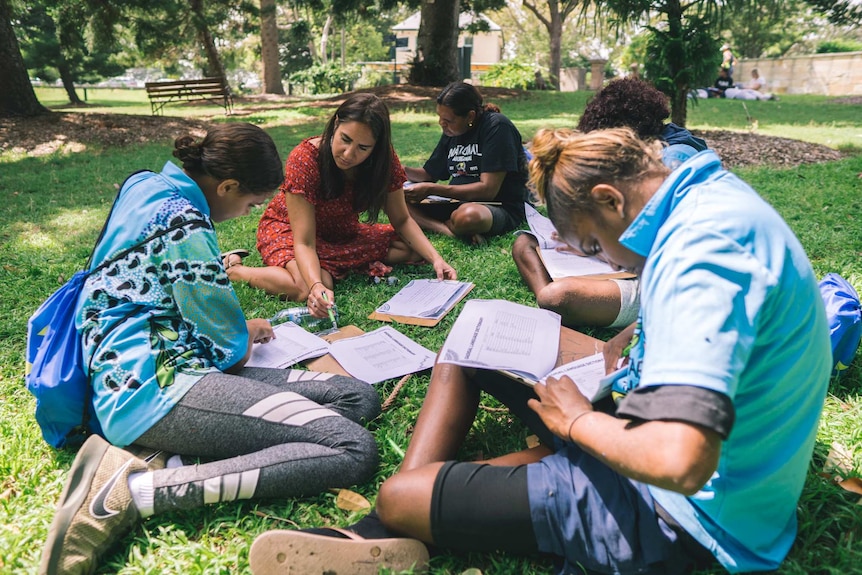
column 421, row 321
column 437, row 200
column 327, row 363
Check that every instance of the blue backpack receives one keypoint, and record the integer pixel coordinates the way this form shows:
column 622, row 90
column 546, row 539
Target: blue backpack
column 844, row 317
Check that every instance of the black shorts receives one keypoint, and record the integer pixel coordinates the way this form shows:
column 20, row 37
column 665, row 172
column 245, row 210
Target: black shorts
column 505, row 218
column 481, row 507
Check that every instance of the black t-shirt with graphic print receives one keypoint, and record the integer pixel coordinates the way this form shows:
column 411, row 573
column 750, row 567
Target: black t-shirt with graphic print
column 492, row 145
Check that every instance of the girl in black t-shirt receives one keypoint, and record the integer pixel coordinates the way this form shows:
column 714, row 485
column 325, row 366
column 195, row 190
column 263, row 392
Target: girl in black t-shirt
column 481, row 155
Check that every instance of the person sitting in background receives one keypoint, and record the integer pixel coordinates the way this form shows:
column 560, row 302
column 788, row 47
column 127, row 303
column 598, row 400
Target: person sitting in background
column 310, row 234
column 753, row 90
column 707, row 454
column 482, row 156
column 722, row 83
column 627, row 102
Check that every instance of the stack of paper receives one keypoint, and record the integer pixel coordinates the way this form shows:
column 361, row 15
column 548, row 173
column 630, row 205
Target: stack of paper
column 425, row 298
column 524, row 343
column 291, row 345
column 498, row 334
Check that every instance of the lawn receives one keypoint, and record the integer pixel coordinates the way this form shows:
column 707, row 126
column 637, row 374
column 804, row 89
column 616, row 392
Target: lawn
column 54, row 206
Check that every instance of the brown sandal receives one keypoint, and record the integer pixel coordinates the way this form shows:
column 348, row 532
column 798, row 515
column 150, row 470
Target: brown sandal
column 280, row 552
column 225, row 257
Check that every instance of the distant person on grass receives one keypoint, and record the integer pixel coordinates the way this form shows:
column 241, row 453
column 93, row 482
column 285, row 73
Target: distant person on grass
column 753, row 90
column 628, row 102
column 722, row 83
column 165, row 341
column 481, row 155
column 310, row 234
column 705, row 459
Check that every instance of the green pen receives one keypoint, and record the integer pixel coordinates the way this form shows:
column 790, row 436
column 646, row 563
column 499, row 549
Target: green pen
column 331, row 315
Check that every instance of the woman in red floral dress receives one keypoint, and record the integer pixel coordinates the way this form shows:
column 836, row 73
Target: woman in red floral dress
column 310, row 233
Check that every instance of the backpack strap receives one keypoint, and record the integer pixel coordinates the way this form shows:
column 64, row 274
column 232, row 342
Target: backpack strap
column 110, row 213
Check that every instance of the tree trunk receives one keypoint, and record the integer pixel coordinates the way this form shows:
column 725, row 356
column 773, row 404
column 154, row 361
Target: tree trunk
column 679, row 107
column 555, row 30
column 553, row 23
column 68, row 81
column 436, row 62
column 17, row 97
column 269, row 49
column 324, row 38
column 679, row 99
column 215, row 69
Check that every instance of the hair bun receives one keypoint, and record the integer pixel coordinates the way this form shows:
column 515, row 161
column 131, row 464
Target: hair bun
column 187, row 151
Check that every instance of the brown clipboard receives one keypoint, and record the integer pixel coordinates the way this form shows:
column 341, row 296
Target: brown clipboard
column 574, row 345
column 423, row 321
column 327, row 363
column 605, row 276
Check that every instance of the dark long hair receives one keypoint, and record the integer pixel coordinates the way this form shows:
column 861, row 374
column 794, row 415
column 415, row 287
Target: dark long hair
column 463, row 98
column 373, row 177
column 239, row 151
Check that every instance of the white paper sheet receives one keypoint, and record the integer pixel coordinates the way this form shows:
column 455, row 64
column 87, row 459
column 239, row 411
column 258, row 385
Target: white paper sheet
column 425, row 298
column 291, row 345
column 588, row 374
column 542, row 228
column 559, row 262
column 380, row 355
column 566, row 264
column 497, row 334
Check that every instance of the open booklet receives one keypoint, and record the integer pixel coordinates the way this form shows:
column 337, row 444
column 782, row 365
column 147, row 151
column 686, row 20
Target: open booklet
column 525, row 343
column 292, row 344
column 423, row 302
column 558, row 261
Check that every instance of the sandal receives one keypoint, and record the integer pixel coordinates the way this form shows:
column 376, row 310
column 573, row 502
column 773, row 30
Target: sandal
column 346, row 553
column 225, row 257
column 240, row 252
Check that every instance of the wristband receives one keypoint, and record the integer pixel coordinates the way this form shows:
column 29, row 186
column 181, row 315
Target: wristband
column 575, row 420
column 312, row 287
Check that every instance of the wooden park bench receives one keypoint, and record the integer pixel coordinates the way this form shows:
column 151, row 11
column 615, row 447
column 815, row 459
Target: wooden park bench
column 162, row 93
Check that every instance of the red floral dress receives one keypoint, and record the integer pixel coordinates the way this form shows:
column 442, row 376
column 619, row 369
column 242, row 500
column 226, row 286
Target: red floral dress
column 343, row 243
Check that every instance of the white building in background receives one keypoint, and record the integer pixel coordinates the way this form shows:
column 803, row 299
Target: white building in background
column 487, row 47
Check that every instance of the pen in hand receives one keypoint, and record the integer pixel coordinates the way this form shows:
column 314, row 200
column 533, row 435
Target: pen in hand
column 331, row 315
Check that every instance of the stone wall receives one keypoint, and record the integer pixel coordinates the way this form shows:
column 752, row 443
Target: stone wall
column 827, row 74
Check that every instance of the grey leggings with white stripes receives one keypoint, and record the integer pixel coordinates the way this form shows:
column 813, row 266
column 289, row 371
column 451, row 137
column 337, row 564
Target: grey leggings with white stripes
column 265, row 433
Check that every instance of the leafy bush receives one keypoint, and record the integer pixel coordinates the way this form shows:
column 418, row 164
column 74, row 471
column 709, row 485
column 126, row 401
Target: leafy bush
column 326, row 78
column 371, row 78
column 832, row 46
column 512, row 74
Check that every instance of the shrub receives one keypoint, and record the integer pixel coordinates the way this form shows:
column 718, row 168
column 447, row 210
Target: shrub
column 371, row 78
column 832, row 46
column 326, row 78
column 510, row 74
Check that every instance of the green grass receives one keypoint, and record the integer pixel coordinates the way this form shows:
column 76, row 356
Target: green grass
column 54, row 206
